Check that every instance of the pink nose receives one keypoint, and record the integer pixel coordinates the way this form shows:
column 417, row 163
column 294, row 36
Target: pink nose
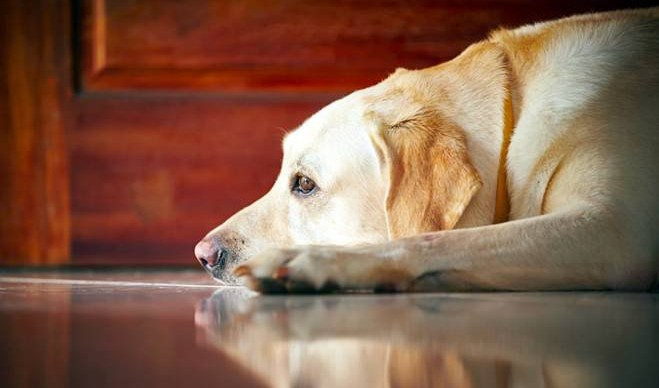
column 211, row 253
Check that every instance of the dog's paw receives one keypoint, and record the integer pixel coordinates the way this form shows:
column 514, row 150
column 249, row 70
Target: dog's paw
column 321, row 269
column 305, row 269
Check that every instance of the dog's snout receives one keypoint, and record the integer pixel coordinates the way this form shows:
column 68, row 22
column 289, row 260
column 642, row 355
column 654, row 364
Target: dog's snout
column 211, row 253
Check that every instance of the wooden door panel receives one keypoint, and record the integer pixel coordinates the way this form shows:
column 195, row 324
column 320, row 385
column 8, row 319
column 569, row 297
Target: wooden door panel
column 287, row 45
column 152, row 175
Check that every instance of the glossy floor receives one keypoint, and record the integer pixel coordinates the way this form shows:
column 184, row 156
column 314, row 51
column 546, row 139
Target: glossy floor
column 177, row 328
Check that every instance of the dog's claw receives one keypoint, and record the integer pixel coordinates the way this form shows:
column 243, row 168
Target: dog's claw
column 330, row 287
column 272, row 286
column 300, row 287
column 281, row 273
column 242, row 270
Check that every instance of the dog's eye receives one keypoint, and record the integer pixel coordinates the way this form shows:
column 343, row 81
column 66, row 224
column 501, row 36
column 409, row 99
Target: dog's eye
column 304, row 185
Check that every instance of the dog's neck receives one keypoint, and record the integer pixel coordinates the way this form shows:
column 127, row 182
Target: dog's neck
column 488, row 121
column 502, row 199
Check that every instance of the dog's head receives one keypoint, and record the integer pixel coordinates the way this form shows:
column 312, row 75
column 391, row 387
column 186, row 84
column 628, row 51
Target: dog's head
column 381, row 163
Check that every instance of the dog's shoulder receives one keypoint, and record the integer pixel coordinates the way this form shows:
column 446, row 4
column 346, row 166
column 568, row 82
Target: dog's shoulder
column 570, row 35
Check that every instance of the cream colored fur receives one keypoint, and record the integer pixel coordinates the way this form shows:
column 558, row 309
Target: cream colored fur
column 406, row 172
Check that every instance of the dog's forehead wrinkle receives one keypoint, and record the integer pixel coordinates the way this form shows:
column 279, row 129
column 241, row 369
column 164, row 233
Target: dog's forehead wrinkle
column 308, row 164
column 335, row 116
column 337, row 128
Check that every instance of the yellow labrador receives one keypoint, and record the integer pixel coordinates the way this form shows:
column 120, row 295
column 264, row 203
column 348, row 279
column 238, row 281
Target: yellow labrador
column 529, row 162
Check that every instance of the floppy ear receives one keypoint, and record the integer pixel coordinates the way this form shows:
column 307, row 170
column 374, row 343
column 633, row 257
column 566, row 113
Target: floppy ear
column 421, row 118
column 431, row 180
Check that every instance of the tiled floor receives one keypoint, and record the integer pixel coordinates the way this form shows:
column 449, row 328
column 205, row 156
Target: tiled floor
column 126, row 328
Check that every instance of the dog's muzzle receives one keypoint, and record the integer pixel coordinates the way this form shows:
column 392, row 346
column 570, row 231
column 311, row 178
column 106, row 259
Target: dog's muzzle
column 214, row 257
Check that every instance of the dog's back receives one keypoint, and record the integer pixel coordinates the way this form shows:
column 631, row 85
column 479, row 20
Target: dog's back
column 589, row 87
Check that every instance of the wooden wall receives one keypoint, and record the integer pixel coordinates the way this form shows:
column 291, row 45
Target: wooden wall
column 179, row 106
column 35, row 114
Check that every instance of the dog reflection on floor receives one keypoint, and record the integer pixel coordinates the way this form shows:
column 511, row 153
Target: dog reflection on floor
column 502, row 340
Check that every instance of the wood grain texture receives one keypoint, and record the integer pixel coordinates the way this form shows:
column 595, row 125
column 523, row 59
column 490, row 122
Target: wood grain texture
column 34, row 183
column 247, row 45
column 152, row 175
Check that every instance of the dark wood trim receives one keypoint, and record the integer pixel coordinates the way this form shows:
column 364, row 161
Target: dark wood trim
column 35, row 104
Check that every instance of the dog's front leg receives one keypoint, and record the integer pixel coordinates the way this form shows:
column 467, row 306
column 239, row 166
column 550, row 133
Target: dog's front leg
column 576, row 249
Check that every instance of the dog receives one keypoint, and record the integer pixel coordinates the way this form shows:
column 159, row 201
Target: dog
column 528, row 162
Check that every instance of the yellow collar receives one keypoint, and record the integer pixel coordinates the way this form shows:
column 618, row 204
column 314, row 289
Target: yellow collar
column 502, row 201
